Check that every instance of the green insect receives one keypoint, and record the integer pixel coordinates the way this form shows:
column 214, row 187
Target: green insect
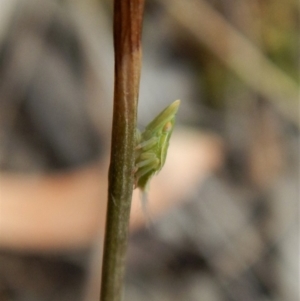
column 152, row 147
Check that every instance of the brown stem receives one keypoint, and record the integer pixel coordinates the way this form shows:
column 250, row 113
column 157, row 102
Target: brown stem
column 128, row 15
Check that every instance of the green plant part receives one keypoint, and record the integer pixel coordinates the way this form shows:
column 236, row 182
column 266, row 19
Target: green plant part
column 152, row 147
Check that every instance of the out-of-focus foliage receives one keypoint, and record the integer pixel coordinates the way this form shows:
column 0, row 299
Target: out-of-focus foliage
column 271, row 26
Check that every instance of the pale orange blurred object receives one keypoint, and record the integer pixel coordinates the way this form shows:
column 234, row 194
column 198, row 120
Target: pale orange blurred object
column 65, row 211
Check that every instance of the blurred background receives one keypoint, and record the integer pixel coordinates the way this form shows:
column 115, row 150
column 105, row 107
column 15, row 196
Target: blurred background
column 234, row 233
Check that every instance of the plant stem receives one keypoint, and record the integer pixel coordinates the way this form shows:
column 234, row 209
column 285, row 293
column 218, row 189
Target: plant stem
column 128, row 15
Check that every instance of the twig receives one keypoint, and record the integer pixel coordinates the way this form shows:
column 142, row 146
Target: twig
column 128, row 16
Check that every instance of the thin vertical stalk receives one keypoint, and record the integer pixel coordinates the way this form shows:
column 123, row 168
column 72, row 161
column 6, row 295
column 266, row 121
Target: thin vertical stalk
column 128, row 15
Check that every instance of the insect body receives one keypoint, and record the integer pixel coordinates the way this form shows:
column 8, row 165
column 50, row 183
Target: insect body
column 152, row 146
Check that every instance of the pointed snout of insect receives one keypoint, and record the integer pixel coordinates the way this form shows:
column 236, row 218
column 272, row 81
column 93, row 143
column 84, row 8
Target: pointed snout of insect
column 171, row 110
column 175, row 105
